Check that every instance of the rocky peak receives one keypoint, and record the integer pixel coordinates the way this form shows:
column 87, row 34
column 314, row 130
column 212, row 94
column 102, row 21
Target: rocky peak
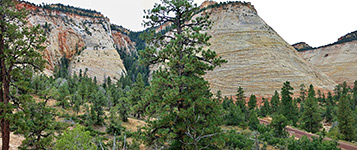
column 259, row 60
column 301, row 46
column 207, row 3
column 348, row 37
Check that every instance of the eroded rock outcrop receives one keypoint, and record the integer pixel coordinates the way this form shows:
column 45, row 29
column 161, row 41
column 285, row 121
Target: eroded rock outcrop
column 72, row 31
column 338, row 61
column 259, row 60
column 101, row 64
column 301, row 46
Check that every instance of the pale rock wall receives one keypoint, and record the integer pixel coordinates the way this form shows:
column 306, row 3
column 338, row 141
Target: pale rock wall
column 70, row 35
column 259, row 60
column 338, row 61
column 101, row 64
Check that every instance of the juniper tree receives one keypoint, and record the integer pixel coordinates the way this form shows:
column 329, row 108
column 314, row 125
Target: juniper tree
column 20, row 52
column 186, row 115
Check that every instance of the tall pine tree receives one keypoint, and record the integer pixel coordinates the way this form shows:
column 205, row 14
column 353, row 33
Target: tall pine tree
column 287, row 108
column 275, row 101
column 136, row 95
column 20, row 52
column 240, row 101
column 179, row 97
column 345, row 118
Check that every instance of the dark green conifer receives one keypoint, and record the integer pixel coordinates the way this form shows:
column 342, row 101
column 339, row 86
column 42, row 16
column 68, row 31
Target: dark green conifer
column 187, row 117
column 311, row 117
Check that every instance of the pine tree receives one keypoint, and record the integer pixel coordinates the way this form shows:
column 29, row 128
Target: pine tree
column 252, row 103
column 265, row 109
column 278, row 124
column 136, row 95
column 345, row 118
column 20, row 52
column 253, row 121
column 187, row 115
column 354, row 96
column 275, row 101
column 99, row 102
column 76, row 107
column 337, row 92
column 311, row 117
column 240, row 101
column 123, row 107
column 114, row 128
column 302, row 96
column 319, row 96
column 64, row 96
column 286, row 106
column 329, row 112
column 38, row 126
column 233, row 114
column 219, row 95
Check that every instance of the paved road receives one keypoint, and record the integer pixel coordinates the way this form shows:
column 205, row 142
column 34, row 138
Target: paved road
column 299, row 133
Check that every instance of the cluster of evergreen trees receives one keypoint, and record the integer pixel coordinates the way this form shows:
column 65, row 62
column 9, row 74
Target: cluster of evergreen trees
column 179, row 110
column 307, row 112
column 108, row 104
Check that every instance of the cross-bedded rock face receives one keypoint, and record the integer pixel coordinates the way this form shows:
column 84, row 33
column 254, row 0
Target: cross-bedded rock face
column 338, row 61
column 259, row 60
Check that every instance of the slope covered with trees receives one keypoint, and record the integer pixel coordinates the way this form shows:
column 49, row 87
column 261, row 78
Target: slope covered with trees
column 177, row 107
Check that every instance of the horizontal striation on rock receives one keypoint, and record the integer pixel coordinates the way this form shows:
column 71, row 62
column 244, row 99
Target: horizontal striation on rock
column 338, row 61
column 259, row 60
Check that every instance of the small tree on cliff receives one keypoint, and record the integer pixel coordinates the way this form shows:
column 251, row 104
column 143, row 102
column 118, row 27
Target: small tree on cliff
column 187, row 117
column 20, row 48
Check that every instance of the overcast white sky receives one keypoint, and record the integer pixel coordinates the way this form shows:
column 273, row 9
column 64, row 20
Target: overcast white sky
column 316, row 22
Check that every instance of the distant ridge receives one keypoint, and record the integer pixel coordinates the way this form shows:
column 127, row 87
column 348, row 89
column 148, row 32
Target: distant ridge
column 343, row 39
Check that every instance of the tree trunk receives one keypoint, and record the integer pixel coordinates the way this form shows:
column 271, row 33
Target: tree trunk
column 5, row 124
